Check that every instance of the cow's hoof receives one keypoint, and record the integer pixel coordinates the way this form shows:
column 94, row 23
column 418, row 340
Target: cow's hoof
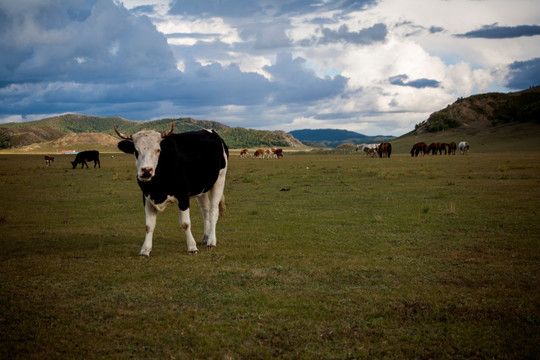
column 210, row 247
column 192, row 252
column 144, row 255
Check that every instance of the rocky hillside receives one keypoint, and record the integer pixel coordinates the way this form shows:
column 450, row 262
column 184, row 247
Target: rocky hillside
column 17, row 135
column 485, row 110
column 492, row 122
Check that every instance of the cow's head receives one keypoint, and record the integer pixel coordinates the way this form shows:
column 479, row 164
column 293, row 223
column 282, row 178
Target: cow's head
column 146, row 145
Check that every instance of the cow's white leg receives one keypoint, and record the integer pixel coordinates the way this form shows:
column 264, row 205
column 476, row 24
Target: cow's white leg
column 151, row 216
column 185, row 223
column 204, row 204
column 216, row 194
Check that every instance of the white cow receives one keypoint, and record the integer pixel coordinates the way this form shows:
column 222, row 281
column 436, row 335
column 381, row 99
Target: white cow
column 464, row 147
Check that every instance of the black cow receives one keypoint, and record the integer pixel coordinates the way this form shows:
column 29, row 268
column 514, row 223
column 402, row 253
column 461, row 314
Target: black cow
column 172, row 168
column 84, row 156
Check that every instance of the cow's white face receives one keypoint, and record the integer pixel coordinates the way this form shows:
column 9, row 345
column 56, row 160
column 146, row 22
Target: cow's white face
column 147, row 149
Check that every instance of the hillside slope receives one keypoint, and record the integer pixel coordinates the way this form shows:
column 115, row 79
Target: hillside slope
column 482, row 111
column 489, row 122
column 17, row 135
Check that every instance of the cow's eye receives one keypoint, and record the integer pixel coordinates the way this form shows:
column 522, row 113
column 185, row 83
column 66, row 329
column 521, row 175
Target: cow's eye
column 158, row 151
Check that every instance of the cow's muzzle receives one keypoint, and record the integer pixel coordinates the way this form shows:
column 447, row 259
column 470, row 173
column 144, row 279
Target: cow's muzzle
column 146, row 174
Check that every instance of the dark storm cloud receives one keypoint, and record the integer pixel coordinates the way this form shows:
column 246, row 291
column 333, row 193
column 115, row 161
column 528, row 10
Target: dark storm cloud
column 102, row 44
column 376, row 33
column 402, row 80
column 502, row 32
column 523, row 74
column 95, row 57
column 250, row 8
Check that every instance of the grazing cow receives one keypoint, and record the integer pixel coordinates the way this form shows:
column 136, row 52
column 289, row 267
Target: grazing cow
column 434, row 148
column 444, row 146
column 172, row 168
column 370, row 151
column 84, row 156
column 385, row 149
column 278, row 153
column 419, row 147
column 464, row 147
column 259, row 153
column 243, row 153
column 452, row 148
column 48, row 160
column 268, row 153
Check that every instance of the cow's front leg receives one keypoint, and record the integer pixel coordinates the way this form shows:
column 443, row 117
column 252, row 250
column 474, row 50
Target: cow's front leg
column 185, row 223
column 151, row 216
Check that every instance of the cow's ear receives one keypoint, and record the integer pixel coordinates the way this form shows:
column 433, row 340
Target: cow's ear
column 126, row 146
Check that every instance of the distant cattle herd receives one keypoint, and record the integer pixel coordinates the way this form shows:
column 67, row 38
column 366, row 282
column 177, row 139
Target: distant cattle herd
column 382, row 150
column 263, row 153
column 438, row 148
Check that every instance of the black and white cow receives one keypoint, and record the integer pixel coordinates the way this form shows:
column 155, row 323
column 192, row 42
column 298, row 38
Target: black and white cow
column 172, row 168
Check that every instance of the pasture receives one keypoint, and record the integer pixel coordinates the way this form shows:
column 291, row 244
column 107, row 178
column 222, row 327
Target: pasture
column 433, row 257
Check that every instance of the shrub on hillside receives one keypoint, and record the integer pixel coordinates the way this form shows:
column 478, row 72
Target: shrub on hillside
column 441, row 121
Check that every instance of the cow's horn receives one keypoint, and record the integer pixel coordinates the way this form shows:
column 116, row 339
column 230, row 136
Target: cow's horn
column 163, row 135
column 123, row 136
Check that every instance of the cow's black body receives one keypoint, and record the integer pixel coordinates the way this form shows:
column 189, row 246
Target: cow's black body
column 84, row 156
column 189, row 165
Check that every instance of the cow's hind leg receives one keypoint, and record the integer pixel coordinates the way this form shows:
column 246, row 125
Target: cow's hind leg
column 204, row 204
column 215, row 198
column 185, row 223
column 151, row 216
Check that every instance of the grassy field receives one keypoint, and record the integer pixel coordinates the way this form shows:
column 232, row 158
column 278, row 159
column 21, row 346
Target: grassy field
column 402, row 258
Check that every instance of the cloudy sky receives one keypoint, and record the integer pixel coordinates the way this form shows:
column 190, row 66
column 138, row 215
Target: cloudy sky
column 372, row 66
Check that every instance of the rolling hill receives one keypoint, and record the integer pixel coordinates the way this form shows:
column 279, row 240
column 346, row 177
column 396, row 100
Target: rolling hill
column 44, row 135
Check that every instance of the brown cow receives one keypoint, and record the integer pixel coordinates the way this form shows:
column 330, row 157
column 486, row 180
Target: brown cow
column 259, row 153
column 278, row 153
column 452, row 147
column 48, row 160
column 243, row 153
column 444, row 146
column 385, row 149
column 434, row 147
column 419, row 147
column 370, row 151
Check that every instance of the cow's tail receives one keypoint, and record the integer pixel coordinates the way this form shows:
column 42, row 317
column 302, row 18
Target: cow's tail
column 222, row 206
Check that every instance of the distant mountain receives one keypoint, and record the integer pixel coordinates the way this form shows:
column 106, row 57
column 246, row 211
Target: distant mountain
column 23, row 134
column 335, row 137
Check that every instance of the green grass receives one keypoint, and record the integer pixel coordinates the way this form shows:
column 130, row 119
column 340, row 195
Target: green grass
column 401, row 258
